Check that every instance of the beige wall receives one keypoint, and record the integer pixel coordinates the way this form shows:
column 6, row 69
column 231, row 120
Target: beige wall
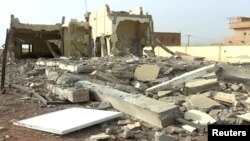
column 231, row 54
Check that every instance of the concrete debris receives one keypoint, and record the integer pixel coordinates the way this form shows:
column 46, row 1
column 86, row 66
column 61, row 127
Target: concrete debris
column 164, row 93
column 121, row 74
column 160, row 136
column 226, row 98
column 152, row 92
column 110, row 131
column 103, row 105
column 199, row 117
column 127, row 134
column 189, row 128
column 101, row 137
column 245, row 117
column 183, row 78
column 124, row 122
column 247, row 102
column 235, row 87
column 140, row 85
column 72, row 94
column 146, row 72
column 203, row 103
column 52, row 76
column 105, row 76
column 132, row 59
column 152, row 111
column 2, row 129
column 173, row 130
column 200, row 85
column 229, row 73
column 133, row 125
column 67, row 80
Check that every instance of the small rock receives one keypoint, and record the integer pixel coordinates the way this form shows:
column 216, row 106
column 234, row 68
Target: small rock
column 103, row 105
column 173, row 130
column 134, row 125
column 95, row 104
column 235, row 87
column 7, row 136
column 164, row 93
column 31, row 85
column 101, row 137
column 123, row 122
column 1, row 129
column 155, row 96
column 110, row 131
column 127, row 134
column 160, row 136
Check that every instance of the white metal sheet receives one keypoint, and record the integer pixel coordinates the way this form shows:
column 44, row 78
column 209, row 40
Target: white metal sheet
column 69, row 120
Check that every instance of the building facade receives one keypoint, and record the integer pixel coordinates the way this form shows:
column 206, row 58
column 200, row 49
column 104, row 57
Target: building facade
column 241, row 27
column 168, row 38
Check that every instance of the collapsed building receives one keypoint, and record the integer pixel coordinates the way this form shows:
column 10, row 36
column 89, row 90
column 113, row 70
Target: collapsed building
column 120, row 33
column 103, row 33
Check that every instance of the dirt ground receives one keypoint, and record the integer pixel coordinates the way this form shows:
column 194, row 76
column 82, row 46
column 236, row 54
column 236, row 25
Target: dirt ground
column 13, row 108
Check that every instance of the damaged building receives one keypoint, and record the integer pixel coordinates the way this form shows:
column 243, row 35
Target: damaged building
column 31, row 40
column 120, row 32
column 103, row 33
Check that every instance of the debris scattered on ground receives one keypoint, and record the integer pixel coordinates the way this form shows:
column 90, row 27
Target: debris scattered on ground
column 153, row 92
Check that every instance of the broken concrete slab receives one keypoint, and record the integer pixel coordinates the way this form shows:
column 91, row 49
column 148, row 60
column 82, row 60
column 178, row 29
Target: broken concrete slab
column 52, row 76
column 202, row 103
column 247, row 102
column 199, row 117
column 164, row 93
column 133, row 125
column 189, row 128
column 200, row 85
column 105, row 76
column 100, row 137
column 225, row 98
column 121, row 74
column 155, row 112
column 146, row 72
column 59, row 123
column 245, row 117
column 173, row 130
column 123, row 122
column 76, row 68
column 183, row 78
column 48, row 63
column 127, row 134
column 71, row 94
column 229, row 73
column 67, row 80
column 235, row 87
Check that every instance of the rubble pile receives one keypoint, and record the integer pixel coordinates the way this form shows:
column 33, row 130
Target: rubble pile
column 161, row 98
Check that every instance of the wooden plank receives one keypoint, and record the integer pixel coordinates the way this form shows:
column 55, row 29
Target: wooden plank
column 183, row 78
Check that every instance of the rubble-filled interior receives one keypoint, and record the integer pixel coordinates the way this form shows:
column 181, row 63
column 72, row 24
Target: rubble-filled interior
column 29, row 41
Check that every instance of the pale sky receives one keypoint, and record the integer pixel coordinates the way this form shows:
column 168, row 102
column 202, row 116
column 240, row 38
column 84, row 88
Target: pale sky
column 205, row 20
